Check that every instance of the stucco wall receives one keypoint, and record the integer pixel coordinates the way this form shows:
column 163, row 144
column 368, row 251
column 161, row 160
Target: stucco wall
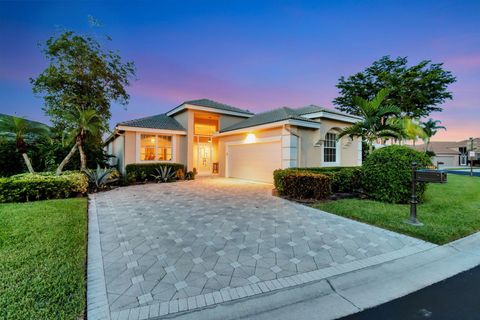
column 227, row 120
column 312, row 155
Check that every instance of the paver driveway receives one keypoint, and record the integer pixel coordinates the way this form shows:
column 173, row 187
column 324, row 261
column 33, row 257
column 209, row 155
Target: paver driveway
column 164, row 242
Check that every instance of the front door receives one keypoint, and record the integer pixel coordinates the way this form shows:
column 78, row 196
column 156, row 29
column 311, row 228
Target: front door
column 204, row 158
column 463, row 159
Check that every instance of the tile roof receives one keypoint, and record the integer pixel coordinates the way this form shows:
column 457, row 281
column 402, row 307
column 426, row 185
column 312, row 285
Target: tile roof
column 271, row 116
column 440, row 147
column 216, row 105
column 160, row 121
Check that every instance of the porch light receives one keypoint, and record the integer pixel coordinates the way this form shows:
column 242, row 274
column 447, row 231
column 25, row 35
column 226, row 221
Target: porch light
column 250, row 138
column 152, row 140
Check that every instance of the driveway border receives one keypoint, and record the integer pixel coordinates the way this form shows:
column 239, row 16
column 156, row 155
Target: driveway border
column 97, row 300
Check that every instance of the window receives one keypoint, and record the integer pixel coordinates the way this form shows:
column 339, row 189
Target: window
column 155, row 147
column 330, row 148
column 164, row 151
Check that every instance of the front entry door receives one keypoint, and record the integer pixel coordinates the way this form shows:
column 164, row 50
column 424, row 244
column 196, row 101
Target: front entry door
column 204, row 158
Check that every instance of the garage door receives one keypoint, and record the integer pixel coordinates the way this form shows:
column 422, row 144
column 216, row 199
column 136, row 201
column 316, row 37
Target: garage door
column 448, row 161
column 255, row 161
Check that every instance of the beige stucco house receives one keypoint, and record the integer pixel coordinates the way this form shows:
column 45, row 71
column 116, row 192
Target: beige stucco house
column 216, row 138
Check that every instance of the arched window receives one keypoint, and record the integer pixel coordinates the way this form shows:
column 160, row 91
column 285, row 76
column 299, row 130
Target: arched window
column 330, row 149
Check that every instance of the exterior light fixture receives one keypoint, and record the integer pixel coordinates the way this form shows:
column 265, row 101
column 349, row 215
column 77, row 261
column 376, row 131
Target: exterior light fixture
column 250, row 138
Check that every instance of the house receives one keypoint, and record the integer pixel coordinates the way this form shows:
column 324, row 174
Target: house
column 451, row 153
column 216, row 138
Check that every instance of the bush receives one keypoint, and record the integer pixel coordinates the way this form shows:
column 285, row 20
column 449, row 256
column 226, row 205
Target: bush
column 306, row 185
column 45, row 185
column 387, row 173
column 147, row 171
column 343, row 179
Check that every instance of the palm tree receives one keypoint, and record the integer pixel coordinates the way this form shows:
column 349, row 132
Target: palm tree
column 23, row 132
column 430, row 128
column 408, row 128
column 373, row 126
column 82, row 122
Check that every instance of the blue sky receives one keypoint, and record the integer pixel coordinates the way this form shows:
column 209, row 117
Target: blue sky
column 252, row 54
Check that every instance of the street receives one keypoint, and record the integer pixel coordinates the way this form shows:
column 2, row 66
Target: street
column 453, row 298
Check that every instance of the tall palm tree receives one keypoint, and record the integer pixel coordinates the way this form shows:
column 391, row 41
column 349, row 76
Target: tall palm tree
column 23, row 132
column 373, row 126
column 82, row 122
column 430, row 128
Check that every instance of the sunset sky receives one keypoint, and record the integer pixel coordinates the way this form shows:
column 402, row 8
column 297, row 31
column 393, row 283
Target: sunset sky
column 256, row 55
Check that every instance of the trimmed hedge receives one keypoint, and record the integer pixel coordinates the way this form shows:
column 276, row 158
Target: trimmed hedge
column 306, row 185
column 145, row 171
column 343, row 179
column 387, row 173
column 41, row 186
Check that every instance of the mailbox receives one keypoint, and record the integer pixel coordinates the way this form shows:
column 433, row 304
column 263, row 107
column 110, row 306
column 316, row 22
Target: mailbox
column 435, row 176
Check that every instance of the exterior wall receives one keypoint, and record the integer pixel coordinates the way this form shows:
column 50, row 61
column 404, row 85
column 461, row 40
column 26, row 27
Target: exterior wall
column 311, row 154
column 447, row 159
column 116, row 148
column 277, row 132
column 227, row 120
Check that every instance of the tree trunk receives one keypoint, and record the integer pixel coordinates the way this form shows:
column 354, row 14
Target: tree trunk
column 427, row 144
column 67, row 158
column 83, row 158
column 28, row 163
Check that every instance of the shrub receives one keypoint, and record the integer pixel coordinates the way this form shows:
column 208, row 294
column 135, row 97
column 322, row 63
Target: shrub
column 45, row 185
column 387, row 173
column 306, row 185
column 147, row 171
column 101, row 178
column 343, row 179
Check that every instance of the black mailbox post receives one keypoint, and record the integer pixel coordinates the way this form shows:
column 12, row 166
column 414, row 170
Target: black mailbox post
column 432, row 176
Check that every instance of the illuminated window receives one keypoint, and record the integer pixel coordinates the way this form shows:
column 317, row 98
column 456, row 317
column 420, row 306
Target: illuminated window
column 164, row 150
column 153, row 147
column 147, row 147
column 330, row 148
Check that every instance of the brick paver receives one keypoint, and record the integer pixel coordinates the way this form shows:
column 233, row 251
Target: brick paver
column 195, row 243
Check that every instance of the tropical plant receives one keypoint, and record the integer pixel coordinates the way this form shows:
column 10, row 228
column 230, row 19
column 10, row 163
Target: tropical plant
column 417, row 90
column 407, row 128
column 23, row 132
column 164, row 174
column 82, row 123
column 373, row 125
column 431, row 127
column 101, row 177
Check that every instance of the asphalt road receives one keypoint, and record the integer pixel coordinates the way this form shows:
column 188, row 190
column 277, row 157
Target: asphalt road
column 454, row 298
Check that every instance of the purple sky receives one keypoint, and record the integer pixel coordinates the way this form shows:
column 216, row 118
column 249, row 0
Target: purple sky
column 251, row 54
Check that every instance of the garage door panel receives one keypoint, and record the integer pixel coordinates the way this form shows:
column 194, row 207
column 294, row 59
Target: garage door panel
column 255, row 161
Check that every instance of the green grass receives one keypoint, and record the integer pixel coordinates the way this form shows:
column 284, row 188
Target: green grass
column 450, row 211
column 42, row 259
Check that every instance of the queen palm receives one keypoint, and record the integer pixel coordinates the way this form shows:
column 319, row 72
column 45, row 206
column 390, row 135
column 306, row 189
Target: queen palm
column 23, row 132
column 81, row 123
column 373, row 126
column 430, row 128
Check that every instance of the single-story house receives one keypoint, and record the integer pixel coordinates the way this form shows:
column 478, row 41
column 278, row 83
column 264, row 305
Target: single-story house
column 451, row 153
column 215, row 138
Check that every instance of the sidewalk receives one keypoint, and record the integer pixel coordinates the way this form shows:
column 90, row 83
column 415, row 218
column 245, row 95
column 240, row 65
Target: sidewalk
column 354, row 291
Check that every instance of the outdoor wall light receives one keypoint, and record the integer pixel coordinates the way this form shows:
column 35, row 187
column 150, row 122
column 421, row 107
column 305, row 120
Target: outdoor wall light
column 250, row 138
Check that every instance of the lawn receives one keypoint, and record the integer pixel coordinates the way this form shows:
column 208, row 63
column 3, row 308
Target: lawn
column 42, row 259
column 450, row 211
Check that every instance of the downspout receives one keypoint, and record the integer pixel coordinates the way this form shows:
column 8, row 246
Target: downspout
column 299, row 145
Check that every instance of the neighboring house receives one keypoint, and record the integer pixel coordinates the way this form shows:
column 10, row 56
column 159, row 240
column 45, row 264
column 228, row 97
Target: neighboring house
column 217, row 138
column 450, row 153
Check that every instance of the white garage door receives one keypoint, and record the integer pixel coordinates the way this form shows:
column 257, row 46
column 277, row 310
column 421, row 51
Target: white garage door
column 447, row 160
column 255, row 161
